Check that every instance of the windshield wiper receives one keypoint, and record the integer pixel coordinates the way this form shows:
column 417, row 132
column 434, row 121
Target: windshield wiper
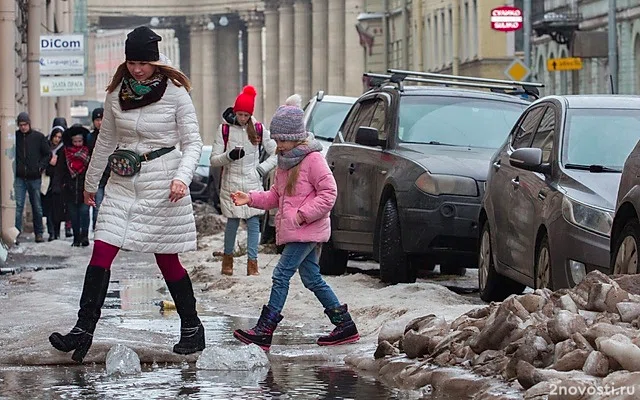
column 434, row 142
column 592, row 168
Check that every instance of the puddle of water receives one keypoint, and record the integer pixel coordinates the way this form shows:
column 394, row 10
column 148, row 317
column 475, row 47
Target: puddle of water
column 286, row 381
column 133, row 304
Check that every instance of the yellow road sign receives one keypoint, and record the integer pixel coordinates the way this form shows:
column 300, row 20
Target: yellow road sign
column 564, row 64
column 517, row 70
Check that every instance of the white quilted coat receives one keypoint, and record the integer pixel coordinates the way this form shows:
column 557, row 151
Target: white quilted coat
column 136, row 213
column 241, row 174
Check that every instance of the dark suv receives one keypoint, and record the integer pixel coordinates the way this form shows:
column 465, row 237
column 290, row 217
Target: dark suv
column 410, row 164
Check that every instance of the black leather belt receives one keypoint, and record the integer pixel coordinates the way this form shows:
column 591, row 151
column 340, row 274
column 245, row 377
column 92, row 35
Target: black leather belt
column 156, row 153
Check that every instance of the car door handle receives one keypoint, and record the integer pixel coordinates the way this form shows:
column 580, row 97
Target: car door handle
column 352, row 168
column 515, row 182
column 332, row 166
column 496, row 165
column 542, row 194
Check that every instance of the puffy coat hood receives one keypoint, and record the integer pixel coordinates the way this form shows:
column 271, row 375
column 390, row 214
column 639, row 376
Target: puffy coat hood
column 74, row 131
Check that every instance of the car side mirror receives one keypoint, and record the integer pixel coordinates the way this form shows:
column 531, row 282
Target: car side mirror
column 367, row 136
column 530, row 159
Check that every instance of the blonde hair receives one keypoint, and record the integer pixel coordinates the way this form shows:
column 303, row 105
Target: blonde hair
column 176, row 76
column 294, row 174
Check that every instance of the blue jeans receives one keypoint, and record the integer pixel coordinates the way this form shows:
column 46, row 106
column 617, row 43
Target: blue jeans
column 32, row 186
column 302, row 257
column 253, row 236
column 79, row 214
column 99, row 197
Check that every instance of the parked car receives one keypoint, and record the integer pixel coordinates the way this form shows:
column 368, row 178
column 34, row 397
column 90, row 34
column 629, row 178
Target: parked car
column 547, row 213
column 205, row 185
column 410, row 165
column 323, row 115
column 625, row 232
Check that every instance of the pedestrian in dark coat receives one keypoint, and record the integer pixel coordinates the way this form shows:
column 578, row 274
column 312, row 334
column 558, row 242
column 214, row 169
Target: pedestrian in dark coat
column 69, row 179
column 52, row 205
column 32, row 157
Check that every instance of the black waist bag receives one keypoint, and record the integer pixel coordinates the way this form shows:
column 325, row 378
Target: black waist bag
column 128, row 163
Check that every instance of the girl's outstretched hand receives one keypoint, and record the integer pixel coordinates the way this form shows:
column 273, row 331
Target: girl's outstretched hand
column 240, row 198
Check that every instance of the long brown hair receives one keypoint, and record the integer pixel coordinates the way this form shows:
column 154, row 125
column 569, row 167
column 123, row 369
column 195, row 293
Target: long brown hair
column 176, row 76
column 252, row 133
column 293, row 174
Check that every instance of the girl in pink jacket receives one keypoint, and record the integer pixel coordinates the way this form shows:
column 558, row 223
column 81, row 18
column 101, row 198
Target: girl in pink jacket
column 304, row 192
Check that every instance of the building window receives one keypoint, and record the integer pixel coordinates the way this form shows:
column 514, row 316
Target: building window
column 450, row 38
column 465, row 24
column 427, row 46
column 436, row 42
column 519, row 34
column 474, row 29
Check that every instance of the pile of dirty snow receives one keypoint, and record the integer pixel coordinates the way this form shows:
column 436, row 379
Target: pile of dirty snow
column 586, row 337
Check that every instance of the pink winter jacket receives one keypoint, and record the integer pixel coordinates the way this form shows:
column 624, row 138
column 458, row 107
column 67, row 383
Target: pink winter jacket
column 314, row 196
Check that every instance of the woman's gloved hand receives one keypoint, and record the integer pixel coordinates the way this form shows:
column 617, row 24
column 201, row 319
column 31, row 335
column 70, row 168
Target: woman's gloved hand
column 236, row 154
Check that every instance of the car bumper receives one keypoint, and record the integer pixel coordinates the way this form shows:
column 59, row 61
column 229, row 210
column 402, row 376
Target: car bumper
column 444, row 226
column 567, row 243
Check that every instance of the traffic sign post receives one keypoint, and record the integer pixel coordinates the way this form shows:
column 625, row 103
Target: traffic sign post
column 564, row 64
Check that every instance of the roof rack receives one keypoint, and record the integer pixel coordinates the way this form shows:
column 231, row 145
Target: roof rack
column 399, row 76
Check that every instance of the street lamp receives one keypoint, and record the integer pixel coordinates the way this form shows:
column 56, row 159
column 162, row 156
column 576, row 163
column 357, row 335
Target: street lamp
column 155, row 21
column 224, row 21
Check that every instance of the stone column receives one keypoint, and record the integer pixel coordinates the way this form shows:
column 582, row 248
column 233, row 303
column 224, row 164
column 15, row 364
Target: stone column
column 272, row 68
column 182, row 34
column 354, row 53
column 255, row 22
column 302, row 68
column 195, row 67
column 210, row 108
column 336, row 60
column 228, row 58
column 320, row 55
column 286, row 56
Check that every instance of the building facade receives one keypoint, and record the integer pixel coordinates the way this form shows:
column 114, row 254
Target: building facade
column 446, row 36
column 592, row 17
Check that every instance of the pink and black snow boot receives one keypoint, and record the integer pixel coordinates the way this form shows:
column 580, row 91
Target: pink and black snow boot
column 345, row 331
column 262, row 333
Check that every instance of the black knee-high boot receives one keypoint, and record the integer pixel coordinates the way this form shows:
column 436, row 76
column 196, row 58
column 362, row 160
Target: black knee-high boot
column 191, row 329
column 94, row 291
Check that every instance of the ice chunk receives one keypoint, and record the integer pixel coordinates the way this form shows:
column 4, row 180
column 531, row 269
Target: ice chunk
column 121, row 360
column 241, row 358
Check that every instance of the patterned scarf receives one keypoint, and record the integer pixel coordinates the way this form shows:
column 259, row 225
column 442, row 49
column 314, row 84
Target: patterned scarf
column 291, row 158
column 77, row 159
column 135, row 94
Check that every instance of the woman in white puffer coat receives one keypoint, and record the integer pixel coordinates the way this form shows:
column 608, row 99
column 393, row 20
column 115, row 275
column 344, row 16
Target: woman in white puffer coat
column 149, row 112
column 236, row 148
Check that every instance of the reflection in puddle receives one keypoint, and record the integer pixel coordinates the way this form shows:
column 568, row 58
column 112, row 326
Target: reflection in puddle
column 289, row 380
column 133, row 304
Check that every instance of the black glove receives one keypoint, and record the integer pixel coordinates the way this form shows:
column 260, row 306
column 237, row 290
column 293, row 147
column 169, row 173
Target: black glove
column 236, row 154
column 229, row 116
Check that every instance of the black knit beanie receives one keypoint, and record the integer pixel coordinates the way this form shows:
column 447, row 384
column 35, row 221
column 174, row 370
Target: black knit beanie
column 142, row 45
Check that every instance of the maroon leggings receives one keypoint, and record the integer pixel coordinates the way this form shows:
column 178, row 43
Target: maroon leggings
column 104, row 254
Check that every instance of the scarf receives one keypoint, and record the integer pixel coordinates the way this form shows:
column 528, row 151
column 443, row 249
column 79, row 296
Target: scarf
column 291, row 158
column 77, row 159
column 135, row 94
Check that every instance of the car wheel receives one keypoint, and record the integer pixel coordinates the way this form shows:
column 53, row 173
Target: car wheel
column 626, row 249
column 451, row 269
column 493, row 286
column 333, row 261
column 543, row 265
column 394, row 263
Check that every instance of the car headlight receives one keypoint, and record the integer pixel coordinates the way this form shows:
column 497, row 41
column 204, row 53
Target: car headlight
column 590, row 218
column 447, row 184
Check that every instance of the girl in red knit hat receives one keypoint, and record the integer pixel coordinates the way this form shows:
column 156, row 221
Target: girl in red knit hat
column 237, row 148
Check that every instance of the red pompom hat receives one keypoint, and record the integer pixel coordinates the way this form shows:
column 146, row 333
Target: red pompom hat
column 245, row 100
